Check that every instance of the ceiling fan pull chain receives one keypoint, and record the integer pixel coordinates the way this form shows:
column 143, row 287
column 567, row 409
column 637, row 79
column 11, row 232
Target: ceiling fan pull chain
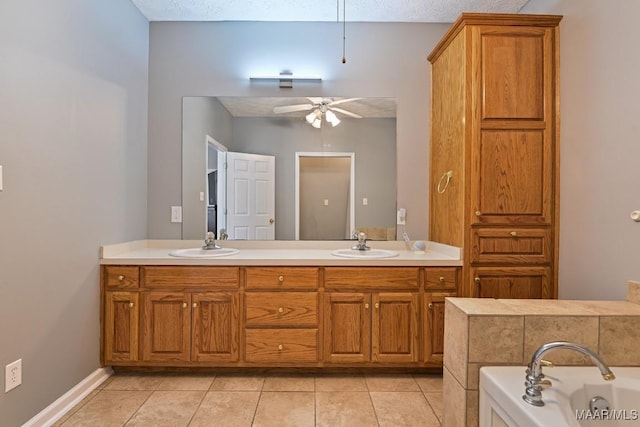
column 344, row 32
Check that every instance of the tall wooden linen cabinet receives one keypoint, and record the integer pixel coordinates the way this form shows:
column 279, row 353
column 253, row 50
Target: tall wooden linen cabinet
column 494, row 152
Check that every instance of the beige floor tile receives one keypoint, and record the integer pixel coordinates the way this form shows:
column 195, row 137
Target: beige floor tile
column 186, row 382
column 134, row 382
column 398, row 409
column 238, row 382
column 226, row 409
column 344, row 408
column 108, row 408
column 289, row 383
column 285, row 408
column 341, row 383
column 429, row 383
column 76, row 408
column 398, row 382
column 167, row 409
column 435, row 401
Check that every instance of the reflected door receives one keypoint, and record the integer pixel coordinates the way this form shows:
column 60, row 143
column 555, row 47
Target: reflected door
column 250, row 185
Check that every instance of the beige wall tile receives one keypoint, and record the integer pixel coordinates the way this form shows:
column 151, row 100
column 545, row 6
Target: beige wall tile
column 539, row 330
column 454, row 401
column 495, row 339
column 456, row 345
column 620, row 340
column 633, row 292
column 473, row 406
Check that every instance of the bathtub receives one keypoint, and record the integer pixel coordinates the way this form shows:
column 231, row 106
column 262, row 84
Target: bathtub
column 567, row 401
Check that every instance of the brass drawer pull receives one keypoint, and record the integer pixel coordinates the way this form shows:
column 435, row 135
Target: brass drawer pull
column 441, row 279
column 513, row 234
column 280, row 347
column 280, row 310
column 377, row 305
column 430, row 306
column 366, row 305
column 280, row 279
column 194, row 305
column 184, row 305
column 121, row 278
column 478, row 213
column 477, row 280
column 130, row 304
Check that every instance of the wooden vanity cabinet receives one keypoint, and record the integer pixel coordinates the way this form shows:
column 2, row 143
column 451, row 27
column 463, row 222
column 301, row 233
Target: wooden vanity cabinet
column 379, row 326
column 121, row 311
column 495, row 128
column 281, row 316
column 190, row 314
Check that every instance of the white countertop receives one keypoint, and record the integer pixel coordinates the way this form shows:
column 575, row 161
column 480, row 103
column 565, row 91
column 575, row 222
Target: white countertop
column 156, row 252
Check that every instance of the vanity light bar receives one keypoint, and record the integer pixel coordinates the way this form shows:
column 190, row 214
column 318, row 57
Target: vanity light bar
column 286, row 79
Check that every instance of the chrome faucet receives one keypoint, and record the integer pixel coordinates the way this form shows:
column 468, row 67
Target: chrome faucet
column 362, row 242
column 223, row 234
column 210, row 242
column 534, row 379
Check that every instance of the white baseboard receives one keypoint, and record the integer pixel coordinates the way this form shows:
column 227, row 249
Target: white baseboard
column 64, row 403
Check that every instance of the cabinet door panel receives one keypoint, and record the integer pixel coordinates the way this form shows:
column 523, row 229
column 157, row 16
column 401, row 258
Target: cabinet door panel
column 395, row 327
column 166, row 326
column 121, row 326
column 512, row 282
column 215, row 327
column 347, row 327
column 433, row 337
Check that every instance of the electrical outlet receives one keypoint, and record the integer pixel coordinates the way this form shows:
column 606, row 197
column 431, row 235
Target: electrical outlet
column 402, row 216
column 12, row 375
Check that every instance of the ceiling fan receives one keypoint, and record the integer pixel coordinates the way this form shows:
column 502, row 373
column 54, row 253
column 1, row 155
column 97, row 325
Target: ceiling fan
column 320, row 107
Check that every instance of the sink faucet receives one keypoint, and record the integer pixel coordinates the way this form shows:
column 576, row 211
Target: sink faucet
column 362, row 243
column 210, row 242
column 534, row 379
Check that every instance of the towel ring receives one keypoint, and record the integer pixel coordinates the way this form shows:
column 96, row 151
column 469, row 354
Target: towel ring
column 447, row 175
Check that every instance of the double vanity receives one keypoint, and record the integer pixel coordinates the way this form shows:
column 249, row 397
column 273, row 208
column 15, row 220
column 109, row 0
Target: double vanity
column 275, row 304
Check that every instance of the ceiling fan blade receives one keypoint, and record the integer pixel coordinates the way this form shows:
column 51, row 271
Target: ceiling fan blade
column 315, row 99
column 342, row 101
column 346, row 113
column 292, row 108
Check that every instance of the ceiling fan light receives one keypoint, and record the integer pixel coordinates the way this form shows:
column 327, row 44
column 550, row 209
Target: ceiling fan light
column 317, row 123
column 311, row 117
column 332, row 118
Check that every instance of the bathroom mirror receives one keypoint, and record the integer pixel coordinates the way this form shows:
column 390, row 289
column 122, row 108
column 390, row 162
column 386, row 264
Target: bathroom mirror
column 297, row 179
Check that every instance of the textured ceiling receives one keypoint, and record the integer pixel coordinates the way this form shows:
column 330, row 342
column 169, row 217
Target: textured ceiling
column 240, row 106
column 320, row 10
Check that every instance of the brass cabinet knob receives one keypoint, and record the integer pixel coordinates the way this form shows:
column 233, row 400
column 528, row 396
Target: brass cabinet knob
column 130, row 304
column 441, row 279
column 377, row 305
column 366, row 305
column 477, row 280
column 194, row 305
column 430, row 306
column 513, row 234
column 280, row 278
column 280, row 347
column 121, row 278
column 184, row 305
column 478, row 213
column 280, row 310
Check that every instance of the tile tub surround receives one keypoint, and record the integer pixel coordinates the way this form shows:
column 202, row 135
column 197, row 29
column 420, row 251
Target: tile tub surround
column 262, row 399
column 484, row 332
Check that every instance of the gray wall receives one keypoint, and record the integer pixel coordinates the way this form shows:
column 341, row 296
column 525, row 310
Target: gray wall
column 216, row 59
column 599, row 147
column 73, row 144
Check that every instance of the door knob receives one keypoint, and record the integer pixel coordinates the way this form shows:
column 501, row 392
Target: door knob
column 271, row 220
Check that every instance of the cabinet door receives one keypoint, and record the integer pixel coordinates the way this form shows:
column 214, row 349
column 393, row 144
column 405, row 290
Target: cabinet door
column 512, row 282
column 433, row 333
column 215, row 327
column 121, row 326
column 395, row 327
column 166, row 321
column 347, row 327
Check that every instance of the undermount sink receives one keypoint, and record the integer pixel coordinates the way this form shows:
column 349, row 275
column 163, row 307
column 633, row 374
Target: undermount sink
column 203, row 253
column 371, row 253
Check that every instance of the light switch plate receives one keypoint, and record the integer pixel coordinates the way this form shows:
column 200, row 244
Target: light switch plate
column 0, row 177
column 176, row 213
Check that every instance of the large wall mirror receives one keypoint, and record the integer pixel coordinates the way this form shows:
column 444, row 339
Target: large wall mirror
column 289, row 168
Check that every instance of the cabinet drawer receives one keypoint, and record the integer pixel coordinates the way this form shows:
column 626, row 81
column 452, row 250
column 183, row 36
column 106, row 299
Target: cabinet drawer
column 281, row 345
column 441, row 278
column 191, row 277
column 511, row 245
column 121, row 277
column 282, row 278
column 371, row 278
column 281, row 309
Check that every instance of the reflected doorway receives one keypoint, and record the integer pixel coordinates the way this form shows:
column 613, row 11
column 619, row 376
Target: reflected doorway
column 325, row 195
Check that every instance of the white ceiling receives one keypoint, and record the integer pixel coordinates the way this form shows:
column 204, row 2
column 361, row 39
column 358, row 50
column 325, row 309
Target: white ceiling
column 320, row 10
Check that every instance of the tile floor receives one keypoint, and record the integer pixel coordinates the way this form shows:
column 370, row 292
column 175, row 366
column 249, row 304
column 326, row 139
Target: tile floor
column 272, row 399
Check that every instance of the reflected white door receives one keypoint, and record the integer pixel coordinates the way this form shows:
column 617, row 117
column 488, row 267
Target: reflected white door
column 250, row 196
